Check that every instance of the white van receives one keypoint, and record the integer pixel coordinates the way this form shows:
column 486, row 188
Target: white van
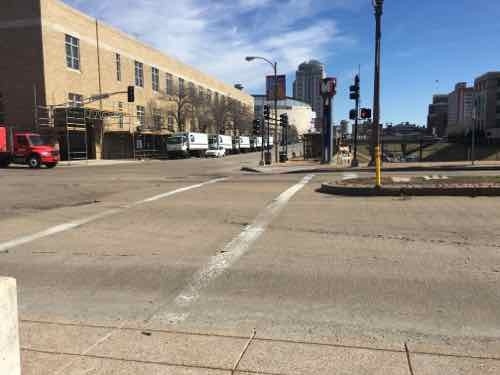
column 187, row 144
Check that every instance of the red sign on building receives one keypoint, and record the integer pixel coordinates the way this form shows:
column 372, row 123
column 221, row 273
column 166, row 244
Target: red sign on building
column 281, row 87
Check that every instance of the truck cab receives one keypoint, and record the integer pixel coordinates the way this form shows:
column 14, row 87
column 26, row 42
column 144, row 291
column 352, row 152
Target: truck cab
column 26, row 148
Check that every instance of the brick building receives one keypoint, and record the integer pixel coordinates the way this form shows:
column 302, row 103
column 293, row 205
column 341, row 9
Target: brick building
column 53, row 57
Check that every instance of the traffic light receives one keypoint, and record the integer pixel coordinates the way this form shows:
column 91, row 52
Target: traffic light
column 366, row 113
column 353, row 114
column 355, row 89
column 267, row 112
column 131, row 94
column 257, row 127
column 284, row 120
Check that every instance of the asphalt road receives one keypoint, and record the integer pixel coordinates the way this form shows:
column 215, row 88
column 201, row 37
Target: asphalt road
column 168, row 267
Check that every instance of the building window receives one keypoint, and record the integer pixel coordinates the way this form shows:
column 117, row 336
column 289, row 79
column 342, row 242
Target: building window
column 72, row 52
column 120, row 115
column 201, row 92
column 181, row 86
column 170, row 123
column 192, row 92
column 169, row 84
column 118, row 59
column 139, row 74
column 498, row 82
column 498, row 109
column 75, row 100
column 140, row 115
column 157, row 119
column 498, row 123
column 209, row 96
column 2, row 109
column 155, row 78
column 498, row 95
column 216, row 98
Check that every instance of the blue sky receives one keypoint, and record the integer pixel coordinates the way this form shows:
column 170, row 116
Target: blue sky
column 423, row 41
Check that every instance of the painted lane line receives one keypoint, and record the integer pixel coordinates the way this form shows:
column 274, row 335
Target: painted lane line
column 349, row 176
column 181, row 190
column 5, row 246
column 231, row 253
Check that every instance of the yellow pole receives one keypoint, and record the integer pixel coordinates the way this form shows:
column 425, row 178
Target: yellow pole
column 378, row 167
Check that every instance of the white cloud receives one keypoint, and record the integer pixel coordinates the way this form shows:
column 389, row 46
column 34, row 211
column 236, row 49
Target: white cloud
column 216, row 35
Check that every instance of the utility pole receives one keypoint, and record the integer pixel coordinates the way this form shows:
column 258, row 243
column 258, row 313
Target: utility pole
column 378, row 6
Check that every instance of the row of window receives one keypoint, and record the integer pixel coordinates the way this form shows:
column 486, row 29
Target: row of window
column 73, row 62
column 156, row 116
column 482, row 85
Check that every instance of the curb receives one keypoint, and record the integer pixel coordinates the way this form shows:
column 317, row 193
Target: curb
column 449, row 168
column 248, row 169
column 368, row 191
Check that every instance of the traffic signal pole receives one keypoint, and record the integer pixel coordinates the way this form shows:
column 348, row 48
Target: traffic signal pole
column 355, row 162
column 378, row 4
column 328, row 91
column 262, row 130
column 276, row 147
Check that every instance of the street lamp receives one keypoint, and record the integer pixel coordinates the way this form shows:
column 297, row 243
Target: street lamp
column 275, row 69
column 378, row 6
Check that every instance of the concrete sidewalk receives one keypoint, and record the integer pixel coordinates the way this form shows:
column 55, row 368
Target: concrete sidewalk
column 52, row 348
column 100, row 163
column 316, row 167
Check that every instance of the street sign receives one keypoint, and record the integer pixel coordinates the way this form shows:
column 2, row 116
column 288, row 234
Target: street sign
column 328, row 87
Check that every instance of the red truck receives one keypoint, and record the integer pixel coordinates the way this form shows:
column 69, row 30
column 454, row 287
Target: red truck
column 25, row 148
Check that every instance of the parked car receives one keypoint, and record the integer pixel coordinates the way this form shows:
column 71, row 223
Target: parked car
column 216, row 152
column 25, row 148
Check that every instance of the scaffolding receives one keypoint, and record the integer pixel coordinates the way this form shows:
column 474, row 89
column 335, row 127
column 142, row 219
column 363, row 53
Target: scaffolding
column 119, row 132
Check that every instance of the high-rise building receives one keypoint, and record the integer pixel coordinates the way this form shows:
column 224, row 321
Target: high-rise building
column 306, row 87
column 460, row 103
column 487, row 111
column 437, row 120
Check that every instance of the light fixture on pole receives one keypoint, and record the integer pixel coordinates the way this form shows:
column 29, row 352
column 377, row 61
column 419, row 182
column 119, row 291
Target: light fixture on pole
column 275, row 69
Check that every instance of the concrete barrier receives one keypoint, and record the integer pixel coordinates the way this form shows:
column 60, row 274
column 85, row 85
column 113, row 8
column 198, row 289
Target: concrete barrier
column 10, row 359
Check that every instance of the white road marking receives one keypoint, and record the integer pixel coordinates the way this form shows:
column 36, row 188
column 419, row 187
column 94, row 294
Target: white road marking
column 231, row 253
column 349, row 176
column 78, row 223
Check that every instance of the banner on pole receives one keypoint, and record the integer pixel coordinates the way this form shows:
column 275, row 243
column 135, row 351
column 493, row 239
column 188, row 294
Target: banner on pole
column 281, row 82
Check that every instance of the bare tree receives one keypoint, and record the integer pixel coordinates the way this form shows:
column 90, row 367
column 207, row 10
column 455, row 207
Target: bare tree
column 219, row 110
column 200, row 113
column 241, row 117
column 181, row 106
